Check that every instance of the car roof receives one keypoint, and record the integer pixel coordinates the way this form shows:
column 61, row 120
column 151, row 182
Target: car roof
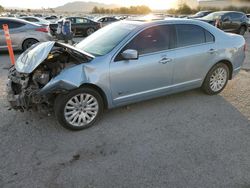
column 225, row 11
column 31, row 17
column 100, row 17
column 18, row 20
column 144, row 24
column 160, row 21
column 77, row 17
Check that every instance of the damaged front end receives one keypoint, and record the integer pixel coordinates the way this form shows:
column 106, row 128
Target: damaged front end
column 35, row 68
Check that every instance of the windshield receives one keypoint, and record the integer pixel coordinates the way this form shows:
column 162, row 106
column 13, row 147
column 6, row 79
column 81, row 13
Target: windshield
column 213, row 16
column 106, row 39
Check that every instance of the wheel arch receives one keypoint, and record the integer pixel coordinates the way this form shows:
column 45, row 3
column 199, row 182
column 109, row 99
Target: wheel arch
column 244, row 25
column 99, row 90
column 229, row 65
column 29, row 39
column 226, row 62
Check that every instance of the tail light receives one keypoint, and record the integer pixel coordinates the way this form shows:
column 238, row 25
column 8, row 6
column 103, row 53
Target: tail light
column 43, row 29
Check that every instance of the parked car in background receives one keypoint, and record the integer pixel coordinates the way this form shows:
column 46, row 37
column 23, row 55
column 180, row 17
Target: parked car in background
column 123, row 63
column 106, row 20
column 80, row 26
column 228, row 21
column 36, row 20
column 23, row 33
column 38, row 15
column 248, row 16
column 182, row 16
column 121, row 17
column 51, row 19
column 201, row 14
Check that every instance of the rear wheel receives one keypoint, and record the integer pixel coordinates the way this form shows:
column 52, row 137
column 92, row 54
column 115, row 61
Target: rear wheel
column 90, row 31
column 79, row 109
column 28, row 43
column 242, row 30
column 216, row 79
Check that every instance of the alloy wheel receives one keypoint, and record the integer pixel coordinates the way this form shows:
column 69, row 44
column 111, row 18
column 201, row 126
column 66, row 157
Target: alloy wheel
column 81, row 110
column 218, row 79
column 90, row 31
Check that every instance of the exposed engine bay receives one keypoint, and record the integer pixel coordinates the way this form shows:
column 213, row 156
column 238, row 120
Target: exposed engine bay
column 23, row 88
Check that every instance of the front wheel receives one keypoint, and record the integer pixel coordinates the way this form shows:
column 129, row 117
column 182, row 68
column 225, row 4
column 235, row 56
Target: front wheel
column 242, row 30
column 216, row 79
column 79, row 109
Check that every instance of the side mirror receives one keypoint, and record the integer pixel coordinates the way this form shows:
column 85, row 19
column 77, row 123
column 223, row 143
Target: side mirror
column 130, row 54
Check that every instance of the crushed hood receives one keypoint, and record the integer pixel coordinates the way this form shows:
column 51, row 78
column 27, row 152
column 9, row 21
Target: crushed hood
column 35, row 55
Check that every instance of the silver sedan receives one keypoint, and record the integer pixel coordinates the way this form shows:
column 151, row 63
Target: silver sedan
column 123, row 63
column 23, row 33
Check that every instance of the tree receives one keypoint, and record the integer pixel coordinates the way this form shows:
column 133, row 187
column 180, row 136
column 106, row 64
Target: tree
column 28, row 10
column 95, row 10
column 52, row 10
column 184, row 9
column 1, row 9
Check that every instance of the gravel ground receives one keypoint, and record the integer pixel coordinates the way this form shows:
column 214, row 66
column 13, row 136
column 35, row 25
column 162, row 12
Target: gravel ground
column 238, row 92
column 183, row 140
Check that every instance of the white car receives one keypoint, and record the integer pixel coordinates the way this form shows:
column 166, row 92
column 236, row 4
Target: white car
column 36, row 20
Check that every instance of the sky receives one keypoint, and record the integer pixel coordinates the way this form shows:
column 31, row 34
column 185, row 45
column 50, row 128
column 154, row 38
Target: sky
column 153, row 4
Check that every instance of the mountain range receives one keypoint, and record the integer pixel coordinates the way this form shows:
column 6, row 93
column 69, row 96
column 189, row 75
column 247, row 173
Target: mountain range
column 80, row 6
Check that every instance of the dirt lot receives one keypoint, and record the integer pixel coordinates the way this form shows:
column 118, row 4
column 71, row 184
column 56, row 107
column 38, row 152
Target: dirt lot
column 238, row 92
column 183, row 140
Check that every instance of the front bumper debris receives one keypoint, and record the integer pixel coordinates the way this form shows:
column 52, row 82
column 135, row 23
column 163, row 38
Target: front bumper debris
column 16, row 101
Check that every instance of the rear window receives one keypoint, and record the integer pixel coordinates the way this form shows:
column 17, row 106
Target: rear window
column 11, row 24
column 209, row 36
column 188, row 34
column 31, row 19
column 236, row 16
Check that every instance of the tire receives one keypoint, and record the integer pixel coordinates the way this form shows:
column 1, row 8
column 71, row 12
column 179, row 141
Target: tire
column 90, row 31
column 69, row 113
column 242, row 30
column 28, row 43
column 215, row 83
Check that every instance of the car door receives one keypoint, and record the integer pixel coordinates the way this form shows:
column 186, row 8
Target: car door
column 151, row 74
column 236, row 21
column 2, row 37
column 81, row 25
column 16, row 33
column 195, row 54
column 227, row 23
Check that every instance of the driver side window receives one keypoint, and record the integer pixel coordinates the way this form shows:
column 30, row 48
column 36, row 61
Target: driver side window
column 154, row 39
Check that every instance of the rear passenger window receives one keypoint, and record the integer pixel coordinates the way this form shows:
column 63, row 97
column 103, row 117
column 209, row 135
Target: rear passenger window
column 188, row 35
column 209, row 36
column 13, row 24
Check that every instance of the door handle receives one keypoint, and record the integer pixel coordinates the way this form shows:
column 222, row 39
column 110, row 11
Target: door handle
column 212, row 51
column 165, row 60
